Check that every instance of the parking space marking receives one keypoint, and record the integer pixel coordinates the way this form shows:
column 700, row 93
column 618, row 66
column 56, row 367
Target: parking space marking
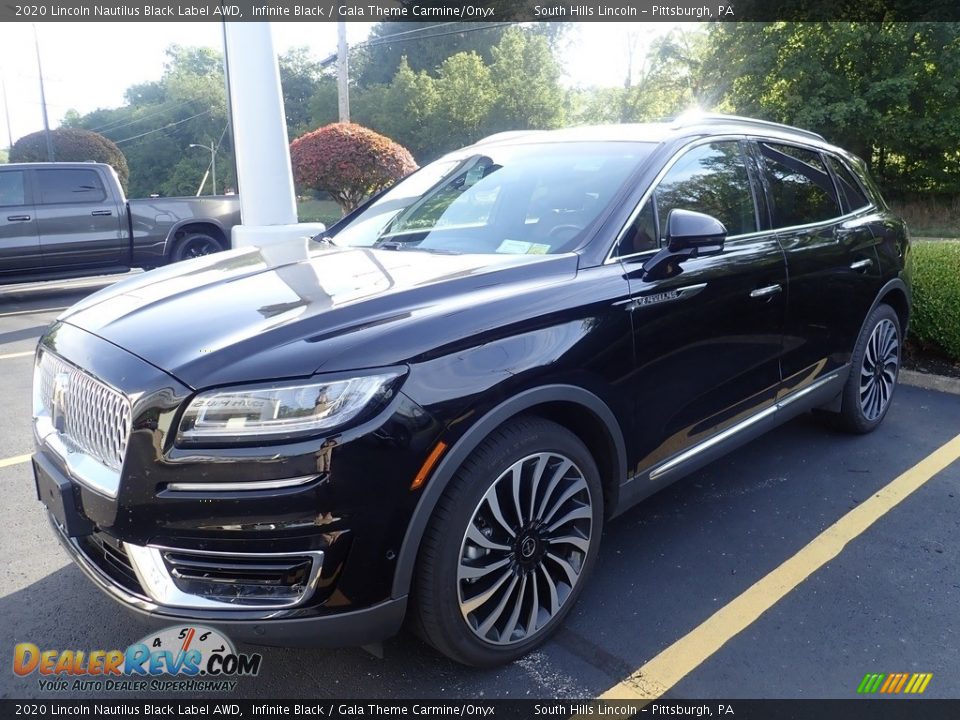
column 16, row 460
column 671, row 665
column 8, row 356
column 32, row 312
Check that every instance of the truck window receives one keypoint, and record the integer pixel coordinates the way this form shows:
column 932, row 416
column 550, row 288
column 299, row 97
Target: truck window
column 69, row 186
column 11, row 188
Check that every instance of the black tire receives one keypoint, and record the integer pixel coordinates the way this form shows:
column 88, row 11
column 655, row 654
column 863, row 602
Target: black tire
column 196, row 245
column 441, row 594
column 874, row 368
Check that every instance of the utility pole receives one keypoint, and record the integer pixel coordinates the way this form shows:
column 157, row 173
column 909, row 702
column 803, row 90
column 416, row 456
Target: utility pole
column 43, row 99
column 343, row 77
column 6, row 112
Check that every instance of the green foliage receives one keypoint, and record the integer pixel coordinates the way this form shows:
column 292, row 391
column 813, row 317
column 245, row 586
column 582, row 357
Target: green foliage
column 526, row 82
column 299, row 77
column 936, row 295
column 162, row 118
column 348, row 161
column 71, row 145
column 4, row 156
column 889, row 92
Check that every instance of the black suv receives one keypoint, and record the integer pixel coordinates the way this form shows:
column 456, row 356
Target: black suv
column 432, row 411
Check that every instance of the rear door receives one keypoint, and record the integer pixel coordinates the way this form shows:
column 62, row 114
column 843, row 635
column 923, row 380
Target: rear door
column 78, row 221
column 19, row 244
column 831, row 259
column 708, row 338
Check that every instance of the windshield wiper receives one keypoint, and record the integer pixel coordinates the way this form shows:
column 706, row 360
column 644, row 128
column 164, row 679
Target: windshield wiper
column 325, row 239
column 394, row 245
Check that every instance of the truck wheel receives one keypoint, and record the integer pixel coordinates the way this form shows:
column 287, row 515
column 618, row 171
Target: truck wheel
column 196, row 245
column 510, row 544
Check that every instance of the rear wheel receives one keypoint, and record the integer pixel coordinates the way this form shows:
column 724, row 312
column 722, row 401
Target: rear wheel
column 196, row 245
column 874, row 368
column 510, row 544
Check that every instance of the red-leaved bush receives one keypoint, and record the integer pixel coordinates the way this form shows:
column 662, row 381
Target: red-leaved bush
column 348, row 161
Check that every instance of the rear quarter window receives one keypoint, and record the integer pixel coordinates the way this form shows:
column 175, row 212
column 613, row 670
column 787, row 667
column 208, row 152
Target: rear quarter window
column 851, row 192
column 12, row 188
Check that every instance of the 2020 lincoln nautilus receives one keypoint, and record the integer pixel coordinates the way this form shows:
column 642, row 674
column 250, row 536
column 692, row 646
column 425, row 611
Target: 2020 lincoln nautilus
column 431, row 411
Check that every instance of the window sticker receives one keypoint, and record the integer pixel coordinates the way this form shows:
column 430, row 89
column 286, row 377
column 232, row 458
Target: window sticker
column 520, row 247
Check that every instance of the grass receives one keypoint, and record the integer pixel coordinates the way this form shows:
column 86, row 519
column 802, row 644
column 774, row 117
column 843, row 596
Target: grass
column 325, row 211
column 931, row 218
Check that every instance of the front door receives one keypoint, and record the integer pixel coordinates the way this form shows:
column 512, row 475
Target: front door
column 708, row 338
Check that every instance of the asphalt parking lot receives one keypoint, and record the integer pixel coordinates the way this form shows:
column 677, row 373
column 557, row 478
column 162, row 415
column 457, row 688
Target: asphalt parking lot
column 884, row 601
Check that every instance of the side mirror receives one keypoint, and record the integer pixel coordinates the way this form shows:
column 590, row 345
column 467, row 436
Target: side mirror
column 689, row 230
column 689, row 234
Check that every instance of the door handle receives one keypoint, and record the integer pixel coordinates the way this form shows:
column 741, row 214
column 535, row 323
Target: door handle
column 102, row 213
column 766, row 292
column 18, row 218
column 861, row 264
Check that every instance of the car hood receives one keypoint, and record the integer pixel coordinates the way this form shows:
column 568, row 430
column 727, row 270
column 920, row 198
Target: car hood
column 293, row 310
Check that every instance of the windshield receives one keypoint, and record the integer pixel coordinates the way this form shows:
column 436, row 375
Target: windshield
column 523, row 199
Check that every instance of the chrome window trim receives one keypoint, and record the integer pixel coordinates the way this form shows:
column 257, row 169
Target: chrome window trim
column 820, row 147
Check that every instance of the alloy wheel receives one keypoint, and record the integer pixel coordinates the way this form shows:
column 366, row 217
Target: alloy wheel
column 878, row 373
column 524, row 548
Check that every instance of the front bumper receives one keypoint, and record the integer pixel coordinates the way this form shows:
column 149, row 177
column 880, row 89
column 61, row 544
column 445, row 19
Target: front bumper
column 357, row 627
column 338, row 528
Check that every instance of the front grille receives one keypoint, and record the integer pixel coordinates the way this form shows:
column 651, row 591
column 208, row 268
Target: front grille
column 90, row 417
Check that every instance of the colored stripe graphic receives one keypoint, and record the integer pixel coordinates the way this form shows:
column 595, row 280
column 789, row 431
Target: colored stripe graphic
column 894, row 683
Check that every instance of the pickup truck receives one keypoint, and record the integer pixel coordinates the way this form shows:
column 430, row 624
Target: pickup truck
column 69, row 219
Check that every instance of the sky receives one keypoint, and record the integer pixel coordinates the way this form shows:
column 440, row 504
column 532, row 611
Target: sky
column 87, row 65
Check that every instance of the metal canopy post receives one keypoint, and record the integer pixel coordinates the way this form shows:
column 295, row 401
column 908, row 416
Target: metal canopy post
column 268, row 207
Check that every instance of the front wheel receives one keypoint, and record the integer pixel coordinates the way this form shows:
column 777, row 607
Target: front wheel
column 510, row 544
column 874, row 368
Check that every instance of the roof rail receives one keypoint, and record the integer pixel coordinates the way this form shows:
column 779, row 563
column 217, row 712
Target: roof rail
column 697, row 118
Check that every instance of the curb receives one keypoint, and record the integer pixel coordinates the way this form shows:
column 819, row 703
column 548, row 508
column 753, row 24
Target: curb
column 927, row 381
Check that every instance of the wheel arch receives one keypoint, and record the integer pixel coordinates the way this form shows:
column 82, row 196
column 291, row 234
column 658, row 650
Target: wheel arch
column 577, row 409
column 186, row 227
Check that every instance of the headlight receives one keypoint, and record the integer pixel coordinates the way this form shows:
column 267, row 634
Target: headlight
column 280, row 412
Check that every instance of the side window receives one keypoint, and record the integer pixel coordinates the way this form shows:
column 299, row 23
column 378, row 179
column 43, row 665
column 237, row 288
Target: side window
column 850, row 191
column 711, row 179
column 69, row 186
column 12, row 190
column 802, row 190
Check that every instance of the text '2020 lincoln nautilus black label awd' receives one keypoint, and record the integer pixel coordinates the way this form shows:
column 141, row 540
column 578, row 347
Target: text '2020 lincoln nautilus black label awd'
column 430, row 412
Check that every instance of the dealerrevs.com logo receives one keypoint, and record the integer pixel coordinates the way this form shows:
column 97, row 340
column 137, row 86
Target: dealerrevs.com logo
column 177, row 659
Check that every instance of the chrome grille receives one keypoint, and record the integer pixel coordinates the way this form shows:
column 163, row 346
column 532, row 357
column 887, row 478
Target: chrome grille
column 90, row 417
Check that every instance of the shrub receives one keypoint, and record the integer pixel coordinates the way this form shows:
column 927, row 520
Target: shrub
column 936, row 295
column 348, row 161
column 71, row 145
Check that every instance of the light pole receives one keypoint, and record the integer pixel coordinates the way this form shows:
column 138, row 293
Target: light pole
column 213, row 161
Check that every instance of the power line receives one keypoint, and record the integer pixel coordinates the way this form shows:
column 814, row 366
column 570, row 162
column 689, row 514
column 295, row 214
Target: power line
column 387, row 41
column 117, row 124
column 165, row 127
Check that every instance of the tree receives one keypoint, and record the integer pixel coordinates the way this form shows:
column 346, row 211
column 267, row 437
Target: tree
column 348, row 161
column 888, row 91
column 526, row 80
column 71, row 145
column 426, row 45
column 300, row 76
column 4, row 156
column 162, row 118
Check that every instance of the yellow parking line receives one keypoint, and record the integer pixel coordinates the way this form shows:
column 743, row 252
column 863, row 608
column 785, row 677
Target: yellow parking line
column 665, row 670
column 17, row 354
column 7, row 462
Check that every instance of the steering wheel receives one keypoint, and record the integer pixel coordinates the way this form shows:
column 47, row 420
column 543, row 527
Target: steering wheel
column 556, row 231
